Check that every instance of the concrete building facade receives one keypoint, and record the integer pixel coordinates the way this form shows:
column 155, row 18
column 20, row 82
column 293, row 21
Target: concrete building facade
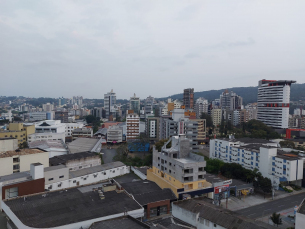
column 8, row 144
column 20, row 160
column 188, row 98
column 179, row 169
column 115, row 134
column 132, row 126
column 272, row 162
column 273, row 100
column 109, row 103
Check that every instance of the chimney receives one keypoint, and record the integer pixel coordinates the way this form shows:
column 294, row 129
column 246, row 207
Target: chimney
column 37, row 171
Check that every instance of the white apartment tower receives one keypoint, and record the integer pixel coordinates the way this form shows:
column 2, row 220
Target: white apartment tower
column 273, row 102
column 201, row 106
column 109, row 102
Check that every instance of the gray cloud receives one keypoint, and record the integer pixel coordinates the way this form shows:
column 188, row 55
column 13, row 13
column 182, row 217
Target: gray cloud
column 66, row 48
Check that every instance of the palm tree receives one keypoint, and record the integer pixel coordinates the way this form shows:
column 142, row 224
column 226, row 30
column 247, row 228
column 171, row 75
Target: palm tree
column 276, row 218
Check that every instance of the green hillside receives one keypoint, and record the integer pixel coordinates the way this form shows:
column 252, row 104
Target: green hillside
column 249, row 94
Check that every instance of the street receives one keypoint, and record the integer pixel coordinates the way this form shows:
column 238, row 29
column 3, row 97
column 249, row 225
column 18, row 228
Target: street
column 108, row 155
column 261, row 210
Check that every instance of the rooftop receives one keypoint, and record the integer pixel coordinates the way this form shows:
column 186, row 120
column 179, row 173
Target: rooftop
column 15, row 177
column 220, row 216
column 20, row 152
column 83, row 130
column 95, row 169
column 126, row 222
column 6, row 138
column 148, row 192
column 101, row 131
column 58, row 208
column 169, row 222
column 46, row 144
column 52, row 168
column 62, row 159
column 82, row 144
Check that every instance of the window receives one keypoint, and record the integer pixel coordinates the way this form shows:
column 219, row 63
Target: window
column 113, row 171
column 215, row 225
column 85, row 178
column 16, row 159
column 207, row 223
column 74, row 181
column 80, row 167
column 51, row 179
column 15, row 167
column 61, row 176
column 59, row 185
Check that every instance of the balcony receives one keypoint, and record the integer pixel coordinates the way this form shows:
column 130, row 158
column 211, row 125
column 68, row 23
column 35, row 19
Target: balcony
column 188, row 171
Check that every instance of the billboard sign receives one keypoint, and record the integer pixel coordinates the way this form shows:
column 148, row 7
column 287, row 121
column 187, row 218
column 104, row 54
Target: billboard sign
column 220, row 189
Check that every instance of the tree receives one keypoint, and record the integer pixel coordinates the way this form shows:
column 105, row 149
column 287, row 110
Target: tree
column 276, row 218
column 214, row 165
column 90, row 119
column 287, row 144
column 265, row 184
column 161, row 143
column 23, row 145
column 208, row 118
column 18, row 119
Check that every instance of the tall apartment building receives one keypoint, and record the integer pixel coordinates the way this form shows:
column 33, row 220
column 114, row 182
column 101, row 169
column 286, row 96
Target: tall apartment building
column 179, row 169
column 47, row 107
column 77, row 100
column 194, row 129
column 264, row 155
column 273, row 102
column 152, row 126
column 109, row 102
column 134, row 104
column 244, row 116
column 216, row 116
column 201, row 106
column 62, row 101
column 63, row 116
column 188, row 98
column 229, row 100
column 97, row 112
column 148, row 108
column 132, row 126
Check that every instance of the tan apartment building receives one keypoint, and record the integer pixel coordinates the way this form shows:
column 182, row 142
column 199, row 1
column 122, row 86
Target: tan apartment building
column 244, row 116
column 20, row 160
column 19, row 131
column 216, row 116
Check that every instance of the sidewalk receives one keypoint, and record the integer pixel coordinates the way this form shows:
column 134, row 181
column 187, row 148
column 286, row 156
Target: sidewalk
column 235, row 203
column 287, row 221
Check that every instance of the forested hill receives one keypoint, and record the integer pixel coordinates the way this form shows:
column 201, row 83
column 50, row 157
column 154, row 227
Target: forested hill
column 249, row 94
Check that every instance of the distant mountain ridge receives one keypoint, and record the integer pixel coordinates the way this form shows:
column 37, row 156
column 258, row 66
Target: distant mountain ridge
column 249, row 94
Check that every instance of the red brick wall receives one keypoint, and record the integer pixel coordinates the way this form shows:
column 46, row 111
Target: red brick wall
column 157, row 204
column 27, row 187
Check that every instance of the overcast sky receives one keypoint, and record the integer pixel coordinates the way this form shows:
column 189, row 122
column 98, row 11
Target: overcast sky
column 147, row 47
